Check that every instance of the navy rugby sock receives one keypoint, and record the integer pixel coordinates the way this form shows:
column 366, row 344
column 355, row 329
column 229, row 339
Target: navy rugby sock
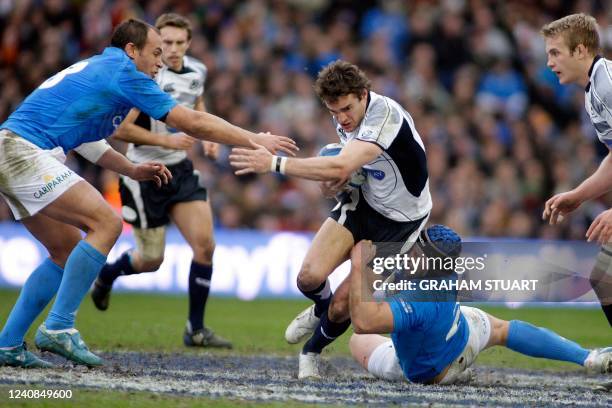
column 199, row 287
column 36, row 293
column 122, row 266
column 325, row 333
column 607, row 309
column 320, row 296
column 535, row 341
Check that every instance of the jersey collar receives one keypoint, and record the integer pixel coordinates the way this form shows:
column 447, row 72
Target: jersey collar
column 588, row 86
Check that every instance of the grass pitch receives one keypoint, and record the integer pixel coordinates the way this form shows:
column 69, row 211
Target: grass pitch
column 148, row 323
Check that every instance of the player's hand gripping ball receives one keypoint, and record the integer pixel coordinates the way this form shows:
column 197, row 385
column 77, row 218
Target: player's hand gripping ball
column 357, row 178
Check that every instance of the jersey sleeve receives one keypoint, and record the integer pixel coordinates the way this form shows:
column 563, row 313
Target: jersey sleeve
column 404, row 315
column 381, row 123
column 143, row 92
column 602, row 103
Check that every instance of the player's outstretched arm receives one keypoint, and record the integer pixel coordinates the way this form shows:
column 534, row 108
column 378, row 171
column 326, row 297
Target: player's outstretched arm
column 205, row 126
column 129, row 132
column 211, row 149
column 331, row 168
column 367, row 316
column 115, row 161
column 596, row 185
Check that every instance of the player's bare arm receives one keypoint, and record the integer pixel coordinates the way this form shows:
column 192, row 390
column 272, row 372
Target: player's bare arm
column 596, row 185
column 115, row 161
column 205, row 126
column 129, row 132
column 334, row 168
column 211, row 149
column 366, row 316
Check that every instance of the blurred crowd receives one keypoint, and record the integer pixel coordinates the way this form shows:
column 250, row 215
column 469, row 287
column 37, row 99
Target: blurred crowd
column 501, row 134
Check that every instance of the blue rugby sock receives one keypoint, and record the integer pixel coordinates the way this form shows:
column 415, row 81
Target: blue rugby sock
column 325, row 333
column 199, row 287
column 36, row 293
column 122, row 266
column 82, row 268
column 535, row 341
column 320, row 296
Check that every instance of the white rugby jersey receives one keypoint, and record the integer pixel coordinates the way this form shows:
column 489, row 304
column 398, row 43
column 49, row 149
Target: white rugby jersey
column 185, row 87
column 397, row 183
column 598, row 98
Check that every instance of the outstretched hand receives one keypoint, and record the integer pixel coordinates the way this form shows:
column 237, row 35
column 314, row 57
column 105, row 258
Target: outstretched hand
column 557, row 207
column 255, row 160
column 601, row 228
column 156, row 172
column 275, row 144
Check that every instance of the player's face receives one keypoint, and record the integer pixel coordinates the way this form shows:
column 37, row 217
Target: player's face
column 149, row 58
column 348, row 110
column 565, row 65
column 175, row 43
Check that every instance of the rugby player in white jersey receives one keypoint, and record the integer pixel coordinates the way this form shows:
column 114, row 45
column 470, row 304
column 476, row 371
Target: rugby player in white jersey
column 572, row 47
column 392, row 205
column 183, row 201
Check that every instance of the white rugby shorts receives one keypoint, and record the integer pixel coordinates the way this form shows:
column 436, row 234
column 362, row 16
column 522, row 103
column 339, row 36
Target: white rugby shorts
column 30, row 177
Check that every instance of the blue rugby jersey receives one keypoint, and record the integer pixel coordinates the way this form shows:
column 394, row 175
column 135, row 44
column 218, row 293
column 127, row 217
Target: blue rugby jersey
column 87, row 101
column 428, row 336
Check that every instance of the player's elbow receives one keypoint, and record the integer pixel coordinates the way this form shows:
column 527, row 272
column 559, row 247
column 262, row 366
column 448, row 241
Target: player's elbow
column 339, row 169
column 361, row 324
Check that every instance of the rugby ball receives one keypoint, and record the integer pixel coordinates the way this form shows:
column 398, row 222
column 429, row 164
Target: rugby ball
column 334, row 149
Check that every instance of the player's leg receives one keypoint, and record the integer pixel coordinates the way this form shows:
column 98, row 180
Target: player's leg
column 376, row 354
column 146, row 257
column 333, row 322
column 601, row 280
column 82, row 206
column 533, row 341
column 38, row 290
column 144, row 207
column 195, row 222
column 329, row 249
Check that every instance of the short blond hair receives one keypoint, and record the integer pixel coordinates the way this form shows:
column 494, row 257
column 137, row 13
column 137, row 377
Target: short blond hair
column 576, row 29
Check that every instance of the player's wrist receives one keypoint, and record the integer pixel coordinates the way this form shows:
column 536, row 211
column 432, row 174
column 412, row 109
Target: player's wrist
column 278, row 164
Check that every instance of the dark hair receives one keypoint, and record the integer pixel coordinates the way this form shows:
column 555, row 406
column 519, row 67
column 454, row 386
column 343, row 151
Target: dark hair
column 174, row 20
column 131, row 31
column 340, row 78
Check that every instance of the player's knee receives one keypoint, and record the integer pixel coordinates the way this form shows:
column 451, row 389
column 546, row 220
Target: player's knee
column 338, row 309
column 108, row 222
column 150, row 264
column 308, row 279
column 203, row 252
column 499, row 332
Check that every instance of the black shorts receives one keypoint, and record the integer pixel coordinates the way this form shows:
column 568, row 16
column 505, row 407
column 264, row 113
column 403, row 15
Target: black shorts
column 147, row 206
column 355, row 214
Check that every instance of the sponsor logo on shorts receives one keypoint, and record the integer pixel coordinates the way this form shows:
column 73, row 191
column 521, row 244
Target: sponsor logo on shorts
column 51, row 183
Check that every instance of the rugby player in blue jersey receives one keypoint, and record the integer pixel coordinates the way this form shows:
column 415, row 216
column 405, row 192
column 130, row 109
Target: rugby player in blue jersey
column 436, row 342
column 81, row 104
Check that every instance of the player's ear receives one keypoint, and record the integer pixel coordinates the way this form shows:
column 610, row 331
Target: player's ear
column 130, row 49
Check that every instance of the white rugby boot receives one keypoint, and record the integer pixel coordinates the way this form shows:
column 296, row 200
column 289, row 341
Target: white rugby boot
column 309, row 366
column 302, row 326
column 599, row 361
